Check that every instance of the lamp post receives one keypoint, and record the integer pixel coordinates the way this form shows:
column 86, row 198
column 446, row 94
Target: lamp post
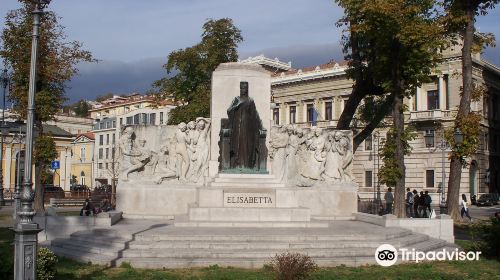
column 26, row 230
column 5, row 80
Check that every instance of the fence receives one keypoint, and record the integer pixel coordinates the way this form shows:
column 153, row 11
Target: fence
column 95, row 196
column 370, row 206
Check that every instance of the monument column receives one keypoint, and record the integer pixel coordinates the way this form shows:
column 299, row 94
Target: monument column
column 225, row 87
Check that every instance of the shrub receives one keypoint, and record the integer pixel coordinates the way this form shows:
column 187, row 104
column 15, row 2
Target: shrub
column 46, row 264
column 292, row 266
column 484, row 238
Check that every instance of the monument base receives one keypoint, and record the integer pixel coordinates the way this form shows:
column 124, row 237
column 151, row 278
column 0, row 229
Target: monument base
column 152, row 201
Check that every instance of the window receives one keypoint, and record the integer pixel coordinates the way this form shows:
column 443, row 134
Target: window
column 276, row 116
column 101, row 140
column 112, row 153
column 129, row 120
column 121, row 121
column 114, row 124
column 136, row 118
column 113, row 136
column 161, row 117
column 429, row 179
column 310, row 113
column 432, row 100
column 82, row 154
column 107, row 166
column 99, row 165
column 107, row 153
column 152, row 118
column 102, row 125
column 100, row 153
column 293, row 113
column 430, row 138
column 328, row 111
column 368, row 143
column 368, row 179
column 107, row 139
column 144, row 118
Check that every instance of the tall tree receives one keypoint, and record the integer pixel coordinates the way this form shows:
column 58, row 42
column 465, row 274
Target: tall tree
column 460, row 19
column 192, row 69
column 57, row 59
column 81, row 108
column 392, row 47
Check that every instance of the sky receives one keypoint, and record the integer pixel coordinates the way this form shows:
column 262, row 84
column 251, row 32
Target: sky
column 131, row 39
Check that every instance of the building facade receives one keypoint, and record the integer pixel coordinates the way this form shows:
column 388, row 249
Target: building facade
column 315, row 96
column 109, row 119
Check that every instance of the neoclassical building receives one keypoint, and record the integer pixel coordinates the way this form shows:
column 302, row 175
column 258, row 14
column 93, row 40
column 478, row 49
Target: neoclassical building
column 315, row 96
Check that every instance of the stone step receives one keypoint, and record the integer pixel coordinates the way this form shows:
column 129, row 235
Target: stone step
column 249, row 180
column 92, row 235
column 246, row 184
column 196, row 224
column 247, row 214
column 244, row 176
column 99, row 246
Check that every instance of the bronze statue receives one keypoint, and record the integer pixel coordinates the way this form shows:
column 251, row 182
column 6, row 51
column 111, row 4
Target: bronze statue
column 245, row 131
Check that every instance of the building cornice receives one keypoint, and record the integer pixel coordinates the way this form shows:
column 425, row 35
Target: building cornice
column 262, row 60
column 317, row 73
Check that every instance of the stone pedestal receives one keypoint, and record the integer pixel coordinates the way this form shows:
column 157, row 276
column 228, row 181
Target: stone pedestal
column 225, row 87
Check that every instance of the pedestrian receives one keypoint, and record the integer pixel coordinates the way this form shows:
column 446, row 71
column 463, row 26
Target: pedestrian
column 389, row 199
column 421, row 206
column 409, row 203
column 465, row 209
column 416, row 201
column 428, row 201
column 86, row 208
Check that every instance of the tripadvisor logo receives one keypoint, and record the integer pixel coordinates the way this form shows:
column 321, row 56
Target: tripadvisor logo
column 387, row 255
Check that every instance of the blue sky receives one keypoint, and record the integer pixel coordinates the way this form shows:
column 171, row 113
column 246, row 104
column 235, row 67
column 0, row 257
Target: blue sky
column 132, row 38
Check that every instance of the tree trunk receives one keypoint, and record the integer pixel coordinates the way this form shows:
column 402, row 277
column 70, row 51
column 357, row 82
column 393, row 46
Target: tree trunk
column 463, row 111
column 38, row 204
column 399, row 127
column 370, row 127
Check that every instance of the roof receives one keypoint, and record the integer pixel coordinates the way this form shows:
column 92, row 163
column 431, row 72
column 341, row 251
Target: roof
column 89, row 135
column 330, row 69
column 20, row 127
column 329, row 65
column 132, row 100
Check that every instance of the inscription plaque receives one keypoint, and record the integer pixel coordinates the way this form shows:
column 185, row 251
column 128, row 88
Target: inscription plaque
column 252, row 199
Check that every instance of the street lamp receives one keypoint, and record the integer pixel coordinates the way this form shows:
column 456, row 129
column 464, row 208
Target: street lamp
column 5, row 81
column 26, row 230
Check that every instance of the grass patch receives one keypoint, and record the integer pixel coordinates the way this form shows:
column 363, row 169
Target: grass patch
column 69, row 213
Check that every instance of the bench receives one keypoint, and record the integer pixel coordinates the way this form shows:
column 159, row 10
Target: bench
column 57, row 202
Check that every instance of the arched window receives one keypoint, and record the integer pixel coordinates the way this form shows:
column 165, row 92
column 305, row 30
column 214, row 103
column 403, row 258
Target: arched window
column 82, row 178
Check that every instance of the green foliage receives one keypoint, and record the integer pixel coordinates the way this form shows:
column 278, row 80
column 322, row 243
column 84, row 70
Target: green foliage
column 470, row 127
column 389, row 172
column 45, row 150
column 125, row 265
column 292, row 266
column 6, row 254
column 57, row 60
column 81, row 108
column 46, row 264
column 192, row 69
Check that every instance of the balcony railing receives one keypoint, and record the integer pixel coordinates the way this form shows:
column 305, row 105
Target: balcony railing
column 427, row 115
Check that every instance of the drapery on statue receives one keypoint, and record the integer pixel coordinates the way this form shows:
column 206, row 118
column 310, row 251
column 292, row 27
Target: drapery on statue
column 245, row 131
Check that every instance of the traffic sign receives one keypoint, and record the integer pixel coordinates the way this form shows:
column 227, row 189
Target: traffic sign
column 55, row 164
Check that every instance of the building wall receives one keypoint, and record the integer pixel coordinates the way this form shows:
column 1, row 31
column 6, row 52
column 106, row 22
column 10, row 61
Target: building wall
column 303, row 88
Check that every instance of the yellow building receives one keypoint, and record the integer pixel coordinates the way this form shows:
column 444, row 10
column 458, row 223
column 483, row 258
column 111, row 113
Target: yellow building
column 13, row 155
column 82, row 159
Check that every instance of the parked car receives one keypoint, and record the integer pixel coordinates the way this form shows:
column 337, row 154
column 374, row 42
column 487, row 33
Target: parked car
column 52, row 191
column 487, row 199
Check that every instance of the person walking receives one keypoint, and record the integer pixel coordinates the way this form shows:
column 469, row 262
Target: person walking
column 421, row 206
column 389, row 199
column 465, row 209
column 409, row 203
column 428, row 201
column 416, row 201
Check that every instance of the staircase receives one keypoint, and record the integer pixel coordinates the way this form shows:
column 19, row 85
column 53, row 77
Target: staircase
column 351, row 243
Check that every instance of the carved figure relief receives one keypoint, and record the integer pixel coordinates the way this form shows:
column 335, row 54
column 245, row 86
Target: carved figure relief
column 183, row 156
column 305, row 157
